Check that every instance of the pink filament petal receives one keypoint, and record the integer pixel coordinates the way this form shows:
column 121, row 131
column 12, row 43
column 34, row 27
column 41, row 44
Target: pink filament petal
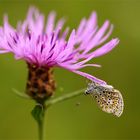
column 50, row 23
column 88, row 76
column 3, row 51
column 107, row 35
column 106, row 48
column 76, row 66
column 94, row 42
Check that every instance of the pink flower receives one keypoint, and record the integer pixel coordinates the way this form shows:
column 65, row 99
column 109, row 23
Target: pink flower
column 47, row 46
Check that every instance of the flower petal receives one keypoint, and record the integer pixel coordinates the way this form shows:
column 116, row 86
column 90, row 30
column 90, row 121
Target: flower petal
column 50, row 23
column 106, row 48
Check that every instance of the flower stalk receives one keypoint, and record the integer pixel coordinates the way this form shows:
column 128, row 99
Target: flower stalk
column 64, row 97
column 39, row 110
column 38, row 114
column 40, row 130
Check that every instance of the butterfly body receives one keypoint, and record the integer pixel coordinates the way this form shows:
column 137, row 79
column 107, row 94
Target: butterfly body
column 108, row 99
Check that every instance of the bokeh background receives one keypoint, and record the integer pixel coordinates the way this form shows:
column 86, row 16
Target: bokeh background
column 66, row 121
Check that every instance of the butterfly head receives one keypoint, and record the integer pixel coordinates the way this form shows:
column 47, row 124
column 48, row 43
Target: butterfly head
column 91, row 88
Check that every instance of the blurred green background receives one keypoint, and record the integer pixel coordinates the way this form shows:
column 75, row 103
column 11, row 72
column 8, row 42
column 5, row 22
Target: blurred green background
column 66, row 121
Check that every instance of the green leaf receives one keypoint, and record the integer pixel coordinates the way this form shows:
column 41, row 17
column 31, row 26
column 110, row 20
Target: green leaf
column 20, row 94
column 38, row 113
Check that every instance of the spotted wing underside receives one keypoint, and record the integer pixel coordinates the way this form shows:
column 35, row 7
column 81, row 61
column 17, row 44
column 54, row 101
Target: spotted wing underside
column 110, row 101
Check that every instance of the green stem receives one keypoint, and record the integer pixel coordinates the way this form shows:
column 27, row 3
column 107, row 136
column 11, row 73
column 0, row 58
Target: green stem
column 64, row 97
column 40, row 129
column 38, row 114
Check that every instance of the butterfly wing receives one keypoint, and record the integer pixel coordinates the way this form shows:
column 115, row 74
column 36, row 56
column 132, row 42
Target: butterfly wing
column 110, row 101
column 119, row 103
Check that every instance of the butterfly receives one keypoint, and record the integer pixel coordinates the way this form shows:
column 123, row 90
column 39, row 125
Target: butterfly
column 108, row 99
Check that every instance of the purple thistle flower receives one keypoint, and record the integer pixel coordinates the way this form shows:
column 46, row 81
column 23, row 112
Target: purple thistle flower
column 46, row 45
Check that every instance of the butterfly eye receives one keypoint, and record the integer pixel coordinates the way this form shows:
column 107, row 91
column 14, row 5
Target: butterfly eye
column 86, row 92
